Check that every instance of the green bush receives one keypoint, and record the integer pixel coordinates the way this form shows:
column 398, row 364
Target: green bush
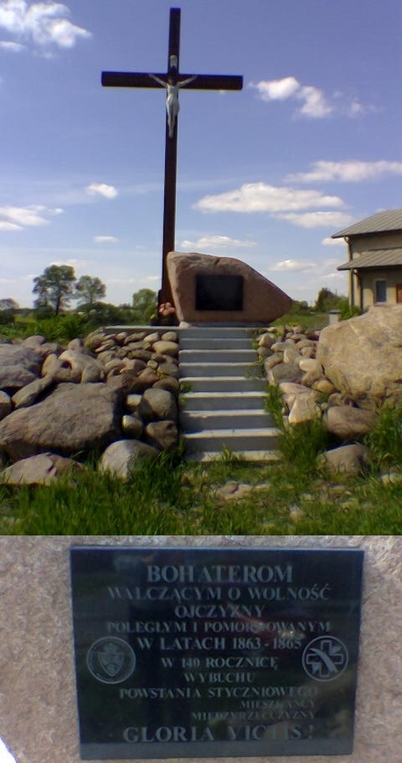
column 6, row 317
column 60, row 328
column 327, row 300
column 103, row 314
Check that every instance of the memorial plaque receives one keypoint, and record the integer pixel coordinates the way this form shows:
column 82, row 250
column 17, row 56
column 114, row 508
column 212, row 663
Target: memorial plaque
column 215, row 652
column 218, row 292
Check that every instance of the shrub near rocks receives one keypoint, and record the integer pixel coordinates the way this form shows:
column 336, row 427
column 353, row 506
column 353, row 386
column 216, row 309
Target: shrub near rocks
column 109, row 388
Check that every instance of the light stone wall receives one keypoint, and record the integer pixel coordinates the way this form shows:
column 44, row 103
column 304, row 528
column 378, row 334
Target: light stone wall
column 37, row 686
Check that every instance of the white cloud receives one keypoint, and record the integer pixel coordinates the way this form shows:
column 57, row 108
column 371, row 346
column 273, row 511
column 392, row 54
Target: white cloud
column 294, row 266
column 6, row 225
column 356, row 108
column 216, row 242
column 260, row 197
column 314, row 103
column 303, row 278
column 105, row 239
column 351, row 171
column 42, row 23
column 102, row 189
column 23, row 216
column 328, row 241
column 277, row 89
column 317, row 219
column 14, row 47
column 16, row 218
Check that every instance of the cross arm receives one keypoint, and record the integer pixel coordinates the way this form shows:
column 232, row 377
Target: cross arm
column 212, row 82
column 130, row 79
column 199, row 81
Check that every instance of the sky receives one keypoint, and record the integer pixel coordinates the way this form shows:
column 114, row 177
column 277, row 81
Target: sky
column 5, row 754
column 266, row 175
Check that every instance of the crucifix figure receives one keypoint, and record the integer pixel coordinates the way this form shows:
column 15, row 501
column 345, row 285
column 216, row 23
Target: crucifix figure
column 172, row 98
column 172, row 82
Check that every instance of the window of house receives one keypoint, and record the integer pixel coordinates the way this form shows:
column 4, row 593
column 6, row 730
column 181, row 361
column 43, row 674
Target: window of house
column 380, row 291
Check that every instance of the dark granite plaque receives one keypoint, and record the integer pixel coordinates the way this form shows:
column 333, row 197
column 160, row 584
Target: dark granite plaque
column 215, row 652
column 218, row 292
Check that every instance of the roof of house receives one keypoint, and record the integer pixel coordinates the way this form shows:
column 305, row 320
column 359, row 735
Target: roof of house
column 375, row 258
column 379, row 223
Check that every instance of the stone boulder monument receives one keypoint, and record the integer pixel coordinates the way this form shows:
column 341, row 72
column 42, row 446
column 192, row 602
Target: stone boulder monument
column 208, row 289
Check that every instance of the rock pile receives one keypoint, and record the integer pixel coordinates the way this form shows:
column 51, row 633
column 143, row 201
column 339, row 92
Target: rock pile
column 342, row 375
column 114, row 394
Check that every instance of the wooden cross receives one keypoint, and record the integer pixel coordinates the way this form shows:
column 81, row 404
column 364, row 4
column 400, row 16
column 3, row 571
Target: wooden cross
column 172, row 82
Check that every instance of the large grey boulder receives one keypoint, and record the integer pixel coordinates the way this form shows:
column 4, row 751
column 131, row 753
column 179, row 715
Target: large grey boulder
column 164, row 347
column 362, row 357
column 262, row 301
column 19, row 366
column 162, row 435
column 74, row 418
column 349, row 423
column 40, row 470
column 158, row 404
column 348, row 459
column 122, row 456
column 27, row 395
column 284, row 372
column 75, row 366
column 304, row 408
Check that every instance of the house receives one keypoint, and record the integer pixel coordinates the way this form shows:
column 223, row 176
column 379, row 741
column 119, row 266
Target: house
column 375, row 259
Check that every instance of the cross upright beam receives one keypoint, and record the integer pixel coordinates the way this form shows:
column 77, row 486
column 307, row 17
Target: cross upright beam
column 172, row 81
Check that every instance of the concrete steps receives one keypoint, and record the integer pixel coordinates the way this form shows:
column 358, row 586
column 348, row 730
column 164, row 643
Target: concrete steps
column 222, row 403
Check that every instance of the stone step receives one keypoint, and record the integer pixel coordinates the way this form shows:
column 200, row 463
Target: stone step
column 206, row 456
column 216, row 332
column 219, row 343
column 224, row 410
column 216, row 370
column 216, row 355
column 198, row 421
column 214, row 401
column 261, row 439
column 222, row 384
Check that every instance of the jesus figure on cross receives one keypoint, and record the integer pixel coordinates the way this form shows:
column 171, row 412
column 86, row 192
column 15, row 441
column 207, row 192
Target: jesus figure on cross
column 172, row 98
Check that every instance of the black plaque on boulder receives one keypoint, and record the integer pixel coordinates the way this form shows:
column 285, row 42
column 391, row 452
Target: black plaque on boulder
column 215, row 652
column 218, row 292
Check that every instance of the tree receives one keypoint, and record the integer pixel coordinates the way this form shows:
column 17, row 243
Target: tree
column 8, row 307
column 145, row 304
column 55, row 288
column 8, row 303
column 89, row 290
column 327, row 300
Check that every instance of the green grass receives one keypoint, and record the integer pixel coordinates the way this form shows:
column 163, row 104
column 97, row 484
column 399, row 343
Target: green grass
column 385, row 440
column 169, row 497
column 307, row 319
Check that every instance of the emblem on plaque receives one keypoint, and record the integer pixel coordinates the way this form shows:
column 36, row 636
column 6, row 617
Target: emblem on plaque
column 111, row 660
column 325, row 658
